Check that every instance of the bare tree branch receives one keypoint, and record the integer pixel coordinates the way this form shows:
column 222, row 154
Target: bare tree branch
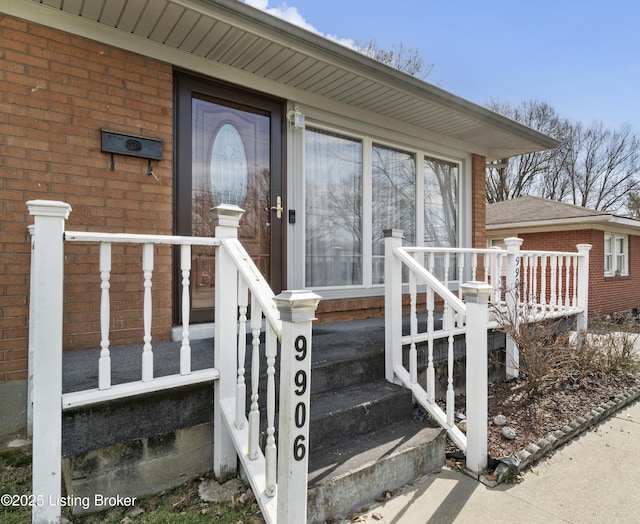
column 593, row 167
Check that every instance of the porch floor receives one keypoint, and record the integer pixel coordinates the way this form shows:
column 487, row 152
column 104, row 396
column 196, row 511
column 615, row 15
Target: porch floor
column 331, row 341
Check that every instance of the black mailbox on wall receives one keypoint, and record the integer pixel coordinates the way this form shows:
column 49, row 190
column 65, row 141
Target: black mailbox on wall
column 131, row 145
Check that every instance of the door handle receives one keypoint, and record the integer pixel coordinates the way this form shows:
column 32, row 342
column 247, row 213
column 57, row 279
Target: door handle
column 278, row 207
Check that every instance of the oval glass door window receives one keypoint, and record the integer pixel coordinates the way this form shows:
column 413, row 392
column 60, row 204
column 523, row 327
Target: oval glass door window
column 229, row 173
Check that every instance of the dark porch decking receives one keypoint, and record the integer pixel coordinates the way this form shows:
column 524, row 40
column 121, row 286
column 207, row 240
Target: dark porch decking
column 331, row 341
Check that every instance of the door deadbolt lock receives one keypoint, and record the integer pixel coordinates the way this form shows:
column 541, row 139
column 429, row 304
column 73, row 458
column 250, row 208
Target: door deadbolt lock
column 278, row 207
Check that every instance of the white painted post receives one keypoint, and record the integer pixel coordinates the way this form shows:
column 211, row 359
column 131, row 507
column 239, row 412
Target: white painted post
column 512, row 299
column 30, row 355
column 392, row 303
column 297, row 311
column 47, row 315
column 476, row 295
column 583, row 286
column 227, row 220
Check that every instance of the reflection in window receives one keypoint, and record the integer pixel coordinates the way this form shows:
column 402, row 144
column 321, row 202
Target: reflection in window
column 333, row 181
column 394, row 201
column 440, row 203
column 441, row 209
column 229, row 167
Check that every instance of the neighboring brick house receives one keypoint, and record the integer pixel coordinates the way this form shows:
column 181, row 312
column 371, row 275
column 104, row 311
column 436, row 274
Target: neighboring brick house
column 322, row 146
column 614, row 259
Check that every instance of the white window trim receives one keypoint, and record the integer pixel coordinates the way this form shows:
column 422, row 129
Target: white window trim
column 296, row 156
column 615, row 269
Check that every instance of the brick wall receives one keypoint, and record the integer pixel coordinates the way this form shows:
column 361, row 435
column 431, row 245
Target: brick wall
column 607, row 295
column 478, row 202
column 58, row 91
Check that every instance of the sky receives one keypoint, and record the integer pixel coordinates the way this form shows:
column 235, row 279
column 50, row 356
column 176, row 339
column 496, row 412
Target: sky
column 582, row 57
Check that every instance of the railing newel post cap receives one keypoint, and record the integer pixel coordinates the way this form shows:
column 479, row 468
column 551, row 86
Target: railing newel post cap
column 50, row 208
column 297, row 305
column 396, row 233
column 513, row 242
column 227, row 215
column 584, row 247
column 476, row 291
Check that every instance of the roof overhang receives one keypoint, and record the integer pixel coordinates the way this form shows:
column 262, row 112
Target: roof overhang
column 199, row 34
column 601, row 222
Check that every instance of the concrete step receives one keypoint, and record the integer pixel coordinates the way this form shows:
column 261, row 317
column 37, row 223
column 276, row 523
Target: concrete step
column 355, row 410
column 360, row 468
column 333, row 370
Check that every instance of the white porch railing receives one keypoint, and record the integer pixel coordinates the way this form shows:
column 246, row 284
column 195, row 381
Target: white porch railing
column 236, row 430
column 525, row 285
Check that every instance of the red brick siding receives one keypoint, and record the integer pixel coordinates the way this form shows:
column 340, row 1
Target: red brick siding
column 607, row 295
column 58, row 91
column 478, row 202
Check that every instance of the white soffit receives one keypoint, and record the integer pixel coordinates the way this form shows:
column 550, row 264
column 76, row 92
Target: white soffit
column 231, row 33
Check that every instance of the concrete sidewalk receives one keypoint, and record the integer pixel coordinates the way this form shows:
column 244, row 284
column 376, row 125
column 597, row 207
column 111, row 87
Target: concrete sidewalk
column 594, row 478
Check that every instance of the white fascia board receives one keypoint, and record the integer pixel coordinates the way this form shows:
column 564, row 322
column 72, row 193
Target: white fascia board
column 611, row 223
column 551, row 224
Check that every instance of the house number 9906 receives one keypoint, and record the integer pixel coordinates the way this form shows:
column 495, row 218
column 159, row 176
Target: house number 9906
column 300, row 413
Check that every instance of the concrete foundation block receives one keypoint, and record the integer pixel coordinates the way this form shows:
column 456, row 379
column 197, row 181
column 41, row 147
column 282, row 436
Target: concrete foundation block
column 123, row 472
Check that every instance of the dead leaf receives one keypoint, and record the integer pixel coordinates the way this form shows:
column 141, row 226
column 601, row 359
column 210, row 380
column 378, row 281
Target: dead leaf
column 135, row 511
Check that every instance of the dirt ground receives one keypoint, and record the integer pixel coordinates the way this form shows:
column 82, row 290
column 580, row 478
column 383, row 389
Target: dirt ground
column 533, row 419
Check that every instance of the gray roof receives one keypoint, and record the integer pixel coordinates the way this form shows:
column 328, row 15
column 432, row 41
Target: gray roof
column 537, row 213
column 531, row 209
column 199, row 34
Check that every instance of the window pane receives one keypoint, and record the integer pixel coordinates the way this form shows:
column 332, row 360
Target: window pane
column 441, row 210
column 607, row 264
column 621, row 264
column 394, row 201
column 333, row 182
column 440, row 203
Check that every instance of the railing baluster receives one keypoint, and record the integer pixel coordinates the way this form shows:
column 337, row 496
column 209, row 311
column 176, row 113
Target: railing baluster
column 574, row 303
column 534, row 280
column 560, row 271
column 460, row 260
column 567, row 289
column 254, row 410
column 554, row 269
column 270, row 448
column 525, row 280
column 147, row 352
column 241, row 388
column 451, row 396
column 474, row 267
column 185, row 349
column 432, row 262
column 446, row 264
column 494, row 276
column 413, row 354
column 104, row 364
column 431, row 374
column 543, row 282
